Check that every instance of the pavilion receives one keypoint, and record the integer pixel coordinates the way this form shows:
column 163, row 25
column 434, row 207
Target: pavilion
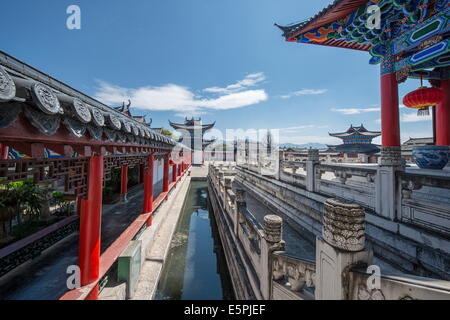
column 411, row 41
column 38, row 113
column 356, row 140
column 192, row 135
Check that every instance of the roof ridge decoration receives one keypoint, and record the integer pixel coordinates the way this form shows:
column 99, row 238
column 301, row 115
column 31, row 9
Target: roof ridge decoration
column 47, row 105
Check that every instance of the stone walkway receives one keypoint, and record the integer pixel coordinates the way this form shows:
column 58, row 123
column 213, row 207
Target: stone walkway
column 165, row 224
column 44, row 278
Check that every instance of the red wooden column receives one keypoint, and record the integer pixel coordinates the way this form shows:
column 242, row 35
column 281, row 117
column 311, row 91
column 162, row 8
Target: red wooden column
column 90, row 227
column 174, row 173
column 166, row 173
column 443, row 116
column 390, row 122
column 4, row 150
column 124, row 183
column 148, row 189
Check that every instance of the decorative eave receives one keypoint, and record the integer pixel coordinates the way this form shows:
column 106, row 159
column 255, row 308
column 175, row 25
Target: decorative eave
column 36, row 107
column 335, row 11
column 354, row 148
column 355, row 131
column 405, row 25
column 179, row 126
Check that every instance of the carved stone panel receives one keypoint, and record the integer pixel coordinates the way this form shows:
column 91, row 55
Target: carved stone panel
column 9, row 112
column 273, row 226
column 391, row 156
column 114, row 122
column 126, row 126
column 98, row 117
column 7, row 86
column 111, row 134
column 81, row 111
column 45, row 123
column 45, row 99
column 75, row 127
column 344, row 225
column 95, row 132
column 135, row 130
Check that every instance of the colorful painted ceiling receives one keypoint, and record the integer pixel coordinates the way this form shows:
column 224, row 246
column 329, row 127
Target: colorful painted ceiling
column 407, row 27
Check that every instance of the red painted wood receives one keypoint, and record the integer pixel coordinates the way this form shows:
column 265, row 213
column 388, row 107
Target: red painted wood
column 4, row 152
column 90, row 225
column 390, row 122
column 443, row 116
column 174, row 173
column 166, row 173
column 114, row 251
column 21, row 131
column 148, row 189
column 338, row 11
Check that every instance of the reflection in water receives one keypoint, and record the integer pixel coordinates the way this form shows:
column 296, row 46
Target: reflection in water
column 195, row 268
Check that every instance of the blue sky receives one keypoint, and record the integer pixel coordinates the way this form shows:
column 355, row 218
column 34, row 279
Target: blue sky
column 221, row 60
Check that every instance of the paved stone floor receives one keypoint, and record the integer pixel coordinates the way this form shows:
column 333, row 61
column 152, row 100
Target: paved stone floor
column 44, row 278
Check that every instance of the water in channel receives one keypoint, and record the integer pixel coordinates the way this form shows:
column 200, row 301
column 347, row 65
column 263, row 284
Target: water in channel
column 195, row 268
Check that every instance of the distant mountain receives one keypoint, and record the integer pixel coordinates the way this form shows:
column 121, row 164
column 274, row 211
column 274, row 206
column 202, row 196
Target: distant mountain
column 303, row 146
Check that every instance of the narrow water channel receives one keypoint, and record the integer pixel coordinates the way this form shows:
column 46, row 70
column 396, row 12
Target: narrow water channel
column 195, row 268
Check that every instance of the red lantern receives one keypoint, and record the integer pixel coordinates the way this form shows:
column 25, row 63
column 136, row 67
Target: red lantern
column 423, row 98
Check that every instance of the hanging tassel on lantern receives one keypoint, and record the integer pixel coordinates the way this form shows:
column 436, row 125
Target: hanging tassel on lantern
column 423, row 112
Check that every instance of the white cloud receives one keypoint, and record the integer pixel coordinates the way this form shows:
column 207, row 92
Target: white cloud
column 250, row 80
column 293, row 130
column 304, row 92
column 172, row 97
column 308, row 139
column 352, row 111
column 413, row 117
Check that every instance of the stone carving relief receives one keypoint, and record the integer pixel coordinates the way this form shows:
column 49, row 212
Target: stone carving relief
column 45, row 123
column 273, row 228
column 98, row 117
column 391, row 156
column 45, row 99
column 126, row 126
column 75, row 127
column 95, row 132
column 344, row 225
column 365, row 294
column 135, row 130
column 121, row 137
column 81, row 111
column 7, row 86
column 114, row 122
column 9, row 113
column 298, row 272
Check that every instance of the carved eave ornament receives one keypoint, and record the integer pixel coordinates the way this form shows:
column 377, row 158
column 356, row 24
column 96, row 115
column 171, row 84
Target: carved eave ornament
column 45, row 108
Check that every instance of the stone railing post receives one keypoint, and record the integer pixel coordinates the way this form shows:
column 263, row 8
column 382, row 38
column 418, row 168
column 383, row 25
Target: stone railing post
column 386, row 193
column 313, row 159
column 273, row 234
column 228, row 186
column 342, row 246
column 240, row 202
